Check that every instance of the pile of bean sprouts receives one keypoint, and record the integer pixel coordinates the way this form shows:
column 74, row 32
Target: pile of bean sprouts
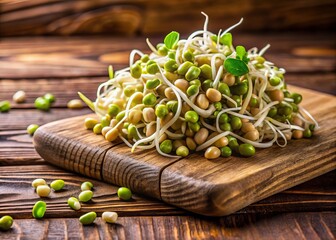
column 205, row 47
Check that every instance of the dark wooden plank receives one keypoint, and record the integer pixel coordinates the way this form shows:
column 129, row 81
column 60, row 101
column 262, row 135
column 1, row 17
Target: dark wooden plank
column 64, row 90
column 16, row 148
column 209, row 187
column 18, row 119
column 284, row 226
column 18, row 196
column 225, row 185
column 76, row 149
column 304, row 54
column 127, row 17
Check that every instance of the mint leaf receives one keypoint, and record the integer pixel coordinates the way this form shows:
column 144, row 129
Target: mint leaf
column 226, row 39
column 171, row 39
column 235, row 66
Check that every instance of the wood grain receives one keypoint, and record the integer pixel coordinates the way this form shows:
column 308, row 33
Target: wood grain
column 294, row 226
column 218, row 189
column 64, row 90
column 29, row 116
column 18, row 196
column 209, row 187
column 24, row 17
column 90, row 56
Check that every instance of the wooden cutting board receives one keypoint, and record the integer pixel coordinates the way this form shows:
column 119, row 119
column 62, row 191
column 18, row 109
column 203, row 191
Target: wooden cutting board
column 209, row 187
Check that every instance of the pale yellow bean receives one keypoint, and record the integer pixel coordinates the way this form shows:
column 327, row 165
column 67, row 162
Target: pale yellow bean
column 229, row 79
column 150, row 130
column 112, row 134
column 201, row 136
column 297, row 121
column 19, row 97
column 213, row 95
column 75, row 104
column 90, row 122
column 119, row 102
column 178, row 143
column 134, row 116
column 110, row 217
column 171, row 76
column 185, row 108
column 222, row 142
column 191, row 143
column 43, row 190
column 167, row 118
column 148, row 114
column 288, row 135
column 38, row 182
column 169, row 93
column 252, row 135
column 189, row 133
column 203, row 60
column 105, row 130
column 161, row 89
column 254, row 111
column 276, row 95
column 247, row 127
column 297, row 134
column 162, row 138
column 202, row 101
column 212, row 153
column 182, row 84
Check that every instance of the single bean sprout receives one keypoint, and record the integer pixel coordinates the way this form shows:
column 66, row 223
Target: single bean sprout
column 252, row 103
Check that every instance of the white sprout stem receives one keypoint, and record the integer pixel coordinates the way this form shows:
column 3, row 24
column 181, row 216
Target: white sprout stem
column 200, row 111
column 212, row 140
column 232, row 27
column 132, row 55
column 248, row 96
column 310, row 116
column 151, row 47
column 218, row 76
column 262, row 51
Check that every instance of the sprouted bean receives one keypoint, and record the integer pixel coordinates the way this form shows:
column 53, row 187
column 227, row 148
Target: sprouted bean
column 188, row 89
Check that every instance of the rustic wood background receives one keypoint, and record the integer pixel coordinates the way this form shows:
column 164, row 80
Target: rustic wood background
column 303, row 41
column 143, row 17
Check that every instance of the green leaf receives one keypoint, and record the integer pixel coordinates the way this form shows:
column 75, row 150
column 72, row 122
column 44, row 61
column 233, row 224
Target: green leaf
column 235, row 66
column 171, row 39
column 214, row 38
column 87, row 101
column 240, row 50
column 226, row 39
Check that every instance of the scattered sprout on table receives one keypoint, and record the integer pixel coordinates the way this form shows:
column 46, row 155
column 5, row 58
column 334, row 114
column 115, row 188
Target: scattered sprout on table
column 38, row 182
column 57, row 185
column 6, row 223
column 39, row 209
column 5, row 106
column 86, row 186
column 19, row 96
column 88, row 218
column 200, row 84
column 43, row 190
column 32, row 128
column 85, row 196
column 75, row 104
column 124, row 193
column 110, row 217
column 74, row 203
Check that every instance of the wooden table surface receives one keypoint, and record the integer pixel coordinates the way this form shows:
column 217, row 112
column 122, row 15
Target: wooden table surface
column 64, row 66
